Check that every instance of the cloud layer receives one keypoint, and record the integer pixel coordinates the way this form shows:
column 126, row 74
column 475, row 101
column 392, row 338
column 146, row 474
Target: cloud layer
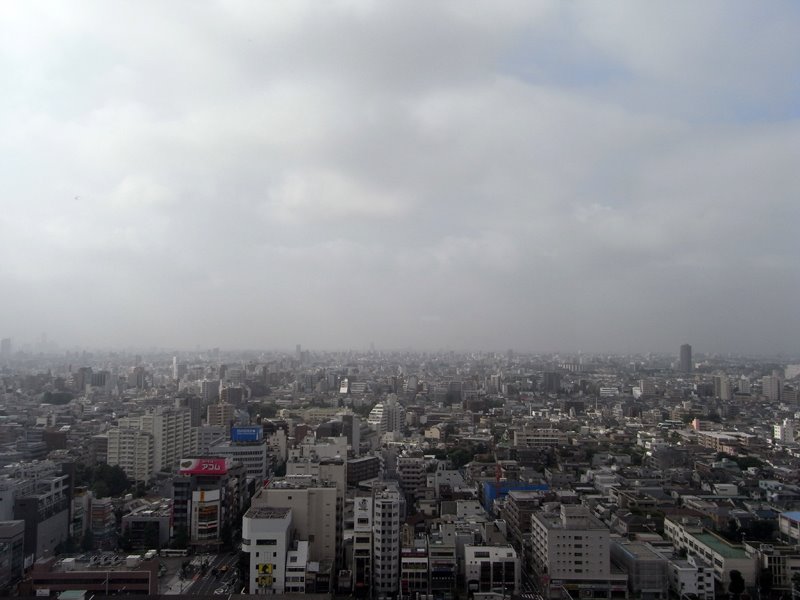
column 612, row 176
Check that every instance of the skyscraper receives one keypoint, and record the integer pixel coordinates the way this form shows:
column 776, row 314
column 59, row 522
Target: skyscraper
column 686, row 365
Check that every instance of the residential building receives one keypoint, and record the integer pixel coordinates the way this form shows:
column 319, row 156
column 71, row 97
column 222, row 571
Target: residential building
column 570, row 549
column 133, row 450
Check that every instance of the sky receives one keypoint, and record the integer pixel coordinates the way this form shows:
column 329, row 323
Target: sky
column 544, row 176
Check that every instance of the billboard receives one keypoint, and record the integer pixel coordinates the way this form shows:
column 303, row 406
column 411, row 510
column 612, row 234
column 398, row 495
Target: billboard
column 247, row 434
column 203, row 466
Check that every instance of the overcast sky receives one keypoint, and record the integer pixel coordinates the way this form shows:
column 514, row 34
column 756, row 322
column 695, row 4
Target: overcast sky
column 607, row 176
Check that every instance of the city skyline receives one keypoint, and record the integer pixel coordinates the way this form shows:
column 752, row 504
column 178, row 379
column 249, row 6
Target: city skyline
column 617, row 177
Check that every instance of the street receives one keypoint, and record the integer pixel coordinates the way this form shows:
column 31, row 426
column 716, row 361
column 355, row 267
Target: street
column 208, row 583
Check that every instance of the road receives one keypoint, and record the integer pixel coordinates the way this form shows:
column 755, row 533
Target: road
column 205, row 585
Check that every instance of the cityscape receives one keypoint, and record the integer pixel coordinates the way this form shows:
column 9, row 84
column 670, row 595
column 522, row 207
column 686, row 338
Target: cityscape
column 400, row 300
column 399, row 474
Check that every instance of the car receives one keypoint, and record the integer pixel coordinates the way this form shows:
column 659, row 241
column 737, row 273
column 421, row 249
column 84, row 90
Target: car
column 224, row 568
column 220, row 591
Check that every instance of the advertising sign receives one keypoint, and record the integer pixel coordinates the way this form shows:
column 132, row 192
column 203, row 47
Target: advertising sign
column 203, row 466
column 246, row 434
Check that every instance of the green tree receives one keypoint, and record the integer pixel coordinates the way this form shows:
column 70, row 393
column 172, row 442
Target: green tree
column 101, row 489
column 736, row 585
column 459, row 457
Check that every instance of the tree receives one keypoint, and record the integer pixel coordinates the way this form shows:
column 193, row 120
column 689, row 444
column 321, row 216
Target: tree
column 736, row 585
column 459, row 457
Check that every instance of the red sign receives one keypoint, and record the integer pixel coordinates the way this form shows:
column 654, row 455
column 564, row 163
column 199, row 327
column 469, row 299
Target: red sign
column 203, row 466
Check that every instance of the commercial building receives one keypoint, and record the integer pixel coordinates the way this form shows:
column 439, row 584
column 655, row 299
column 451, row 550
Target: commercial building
column 208, row 495
column 685, row 361
column 266, row 534
column 316, row 512
column 12, row 551
column 491, row 569
column 53, row 576
column 247, row 446
column 148, row 526
column 647, row 569
column 362, row 469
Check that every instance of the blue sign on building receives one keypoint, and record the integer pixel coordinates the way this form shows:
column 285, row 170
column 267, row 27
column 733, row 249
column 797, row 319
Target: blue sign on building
column 247, row 434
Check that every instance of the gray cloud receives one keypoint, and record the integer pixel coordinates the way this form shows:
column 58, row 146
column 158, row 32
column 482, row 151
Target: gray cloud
column 549, row 176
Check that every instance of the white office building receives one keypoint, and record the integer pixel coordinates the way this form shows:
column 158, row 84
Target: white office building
column 266, row 536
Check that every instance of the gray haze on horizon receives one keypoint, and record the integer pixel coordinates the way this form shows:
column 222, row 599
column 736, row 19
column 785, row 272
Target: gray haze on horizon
column 617, row 176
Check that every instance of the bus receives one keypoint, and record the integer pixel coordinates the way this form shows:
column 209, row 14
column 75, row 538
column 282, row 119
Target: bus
column 172, row 552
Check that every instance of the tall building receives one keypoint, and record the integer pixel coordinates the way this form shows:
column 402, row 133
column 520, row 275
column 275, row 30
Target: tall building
column 316, row 513
column 387, row 508
column 195, row 406
column 221, row 414
column 771, row 387
column 209, row 390
column 686, row 365
column 387, row 416
column 208, row 495
column 572, row 547
column 178, row 369
column 551, row 382
column 5, row 347
column 361, row 562
column 784, row 432
column 171, row 429
column 412, row 472
column 133, row 450
column 722, row 387
column 247, row 446
column 266, row 537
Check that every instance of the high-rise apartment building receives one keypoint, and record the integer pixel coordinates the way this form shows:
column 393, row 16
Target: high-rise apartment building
column 209, row 390
column 171, row 429
column 771, row 387
column 387, row 508
column 722, row 387
column 686, row 365
column 221, row 414
column 387, row 416
column 133, row 450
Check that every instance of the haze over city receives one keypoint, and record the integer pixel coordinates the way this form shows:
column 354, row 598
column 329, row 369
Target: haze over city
column 615, row 176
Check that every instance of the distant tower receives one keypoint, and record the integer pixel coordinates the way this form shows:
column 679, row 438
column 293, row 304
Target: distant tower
column 686, row 359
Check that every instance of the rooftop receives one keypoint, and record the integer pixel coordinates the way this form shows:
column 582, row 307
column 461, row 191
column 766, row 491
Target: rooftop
column 267, row 512
column 720, row 546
